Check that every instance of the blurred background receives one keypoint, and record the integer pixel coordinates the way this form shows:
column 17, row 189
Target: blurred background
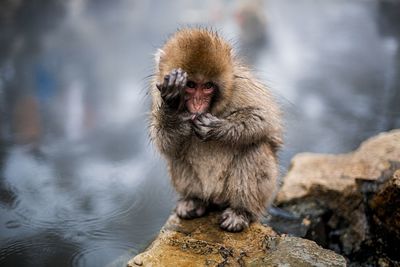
column 80, row 184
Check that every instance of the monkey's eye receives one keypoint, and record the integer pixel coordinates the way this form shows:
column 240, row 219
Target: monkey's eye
column 191, row 84
column 209, row 85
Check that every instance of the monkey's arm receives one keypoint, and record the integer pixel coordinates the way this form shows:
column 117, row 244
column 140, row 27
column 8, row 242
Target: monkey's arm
column 242, row 127
column 169, row 125
column 170, row 131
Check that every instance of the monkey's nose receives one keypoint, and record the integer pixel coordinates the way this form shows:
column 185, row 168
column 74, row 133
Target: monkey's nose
column 197, row 103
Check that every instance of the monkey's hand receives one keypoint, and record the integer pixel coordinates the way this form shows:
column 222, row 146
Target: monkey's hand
column 172, row 87
column 208, row 127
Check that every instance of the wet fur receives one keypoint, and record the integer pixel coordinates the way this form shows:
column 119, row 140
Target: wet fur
column 228, row 158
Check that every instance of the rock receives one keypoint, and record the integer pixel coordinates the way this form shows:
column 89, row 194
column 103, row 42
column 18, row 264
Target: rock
column 385, row 206
column 311, row 172
column 351, row 200
column 200, row 242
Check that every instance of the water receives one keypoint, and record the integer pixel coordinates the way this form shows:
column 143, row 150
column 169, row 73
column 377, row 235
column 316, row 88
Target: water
column 332, row 61
column 80, row 184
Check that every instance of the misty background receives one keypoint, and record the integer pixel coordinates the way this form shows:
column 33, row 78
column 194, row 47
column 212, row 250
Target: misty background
column 80, row 183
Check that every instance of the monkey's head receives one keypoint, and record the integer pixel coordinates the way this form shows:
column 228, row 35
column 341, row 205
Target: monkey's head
column 207, row 59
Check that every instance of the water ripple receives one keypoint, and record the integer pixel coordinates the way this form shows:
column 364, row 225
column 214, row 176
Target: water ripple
column 97, row 256
column 25, row 252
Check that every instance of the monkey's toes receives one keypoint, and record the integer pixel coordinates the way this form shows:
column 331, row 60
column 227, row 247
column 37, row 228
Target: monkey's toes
column 233, row 221
column 190, row 209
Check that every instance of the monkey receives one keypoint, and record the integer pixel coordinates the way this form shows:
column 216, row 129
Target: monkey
column 218, row 128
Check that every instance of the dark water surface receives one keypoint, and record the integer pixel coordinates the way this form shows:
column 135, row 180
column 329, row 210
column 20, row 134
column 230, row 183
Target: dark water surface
column 80, row 184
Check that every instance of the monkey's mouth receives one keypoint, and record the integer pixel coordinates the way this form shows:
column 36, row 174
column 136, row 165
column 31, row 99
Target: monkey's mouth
column 197, row 105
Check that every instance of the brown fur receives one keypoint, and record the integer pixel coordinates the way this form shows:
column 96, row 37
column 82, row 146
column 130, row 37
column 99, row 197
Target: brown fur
column 236, row 164
column 201, row 52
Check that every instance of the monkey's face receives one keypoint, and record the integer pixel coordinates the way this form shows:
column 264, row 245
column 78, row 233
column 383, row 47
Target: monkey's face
column 199, row 94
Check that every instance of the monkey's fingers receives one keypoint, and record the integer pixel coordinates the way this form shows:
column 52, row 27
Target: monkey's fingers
column 171, row 90
column 201, row 123
column 208, row 120
column 178, row 76
column 193, row 116
column 198, row 128
column 181, row 79
column 162, row 87
column 168, row 92
column 166, row 81
column 201, row 131
column 186, row 117
column 197, row 122
column 172, row 78
column 180, row 83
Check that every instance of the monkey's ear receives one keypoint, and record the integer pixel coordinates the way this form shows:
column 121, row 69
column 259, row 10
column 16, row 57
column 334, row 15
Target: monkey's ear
column 159, row 55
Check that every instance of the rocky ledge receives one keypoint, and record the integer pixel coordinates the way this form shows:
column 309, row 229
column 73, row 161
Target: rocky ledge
column 200, row 242
column 351, row 202
column 348, row 203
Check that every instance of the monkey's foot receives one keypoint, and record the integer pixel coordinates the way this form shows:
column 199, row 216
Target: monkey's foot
column 234, row 221
column 190, row 208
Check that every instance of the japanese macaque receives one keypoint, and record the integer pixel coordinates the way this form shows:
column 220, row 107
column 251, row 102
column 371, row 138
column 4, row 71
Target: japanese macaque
column 252, row 22
column 218, row 128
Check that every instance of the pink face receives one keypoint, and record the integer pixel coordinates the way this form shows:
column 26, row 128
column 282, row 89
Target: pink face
column 198, row 96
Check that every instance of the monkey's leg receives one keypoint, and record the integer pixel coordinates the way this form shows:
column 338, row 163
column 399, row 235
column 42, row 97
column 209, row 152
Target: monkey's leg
column 191, row 208
column 188, row 187
column 170, row 127
column 251, row 186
